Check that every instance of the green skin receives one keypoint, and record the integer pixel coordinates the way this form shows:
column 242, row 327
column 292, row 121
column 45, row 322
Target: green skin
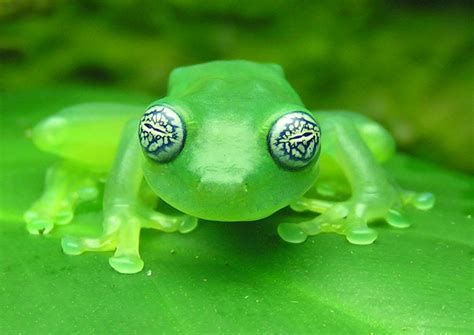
column 224, row 171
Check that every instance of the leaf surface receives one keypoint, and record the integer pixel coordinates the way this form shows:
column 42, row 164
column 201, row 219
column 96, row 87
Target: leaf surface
column 230, row 277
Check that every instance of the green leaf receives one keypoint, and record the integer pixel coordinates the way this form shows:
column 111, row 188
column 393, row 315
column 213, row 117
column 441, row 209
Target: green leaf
column 230, row 277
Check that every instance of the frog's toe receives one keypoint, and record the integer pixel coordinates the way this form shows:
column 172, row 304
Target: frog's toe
column 72, row 245
column 362, row 235
column 422, row 201
column 63, row 217
column 188, row 224
column 329, row 221
column 43, row 216
column 89, row 193
column 299, row 207
column 126, row 263
column 397, row 219
column 77, row 245
column 292, row 232
column 37, row 225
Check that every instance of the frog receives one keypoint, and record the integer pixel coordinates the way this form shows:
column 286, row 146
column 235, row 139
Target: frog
column 231, row 141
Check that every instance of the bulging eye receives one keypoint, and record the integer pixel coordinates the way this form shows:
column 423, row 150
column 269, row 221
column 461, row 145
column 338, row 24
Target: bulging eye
column 161, row 133
column 293, row 140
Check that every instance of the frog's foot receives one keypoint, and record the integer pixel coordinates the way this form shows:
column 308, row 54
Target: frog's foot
column 168, row 223
column 126, row 258
column 122, row 233
column 65, row 189
column 77, row 245
column 351, row 217
column 338, row 219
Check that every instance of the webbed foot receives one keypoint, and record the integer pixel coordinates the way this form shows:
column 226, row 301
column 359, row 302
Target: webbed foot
column 123, row 261
column 65, row 188
column 351, row 217
column 122, row 225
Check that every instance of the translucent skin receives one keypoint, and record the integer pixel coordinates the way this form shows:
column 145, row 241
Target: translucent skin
column 228, row 109
column 224, row 171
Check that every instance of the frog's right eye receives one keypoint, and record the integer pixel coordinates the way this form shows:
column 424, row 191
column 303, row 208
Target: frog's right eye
column 293, row 140
column 162, row 133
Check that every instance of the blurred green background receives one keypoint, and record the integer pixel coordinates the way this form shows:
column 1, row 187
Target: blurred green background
column 408, row 64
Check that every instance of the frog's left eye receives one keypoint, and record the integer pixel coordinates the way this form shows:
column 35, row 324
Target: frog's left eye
column 161, row 133
column 293, row 140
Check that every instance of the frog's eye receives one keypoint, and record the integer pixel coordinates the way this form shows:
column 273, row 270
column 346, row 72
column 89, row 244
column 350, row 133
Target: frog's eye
column 161, row 133
column 293, row 140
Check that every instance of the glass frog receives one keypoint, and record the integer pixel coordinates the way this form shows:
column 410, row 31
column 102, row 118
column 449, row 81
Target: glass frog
column 231, row 141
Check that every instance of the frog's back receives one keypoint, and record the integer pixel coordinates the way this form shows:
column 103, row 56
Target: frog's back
column 87, row 134
column 234, row 87
column 184, row 78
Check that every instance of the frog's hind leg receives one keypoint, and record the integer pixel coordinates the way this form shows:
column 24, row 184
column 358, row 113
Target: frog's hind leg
column 86, row 137
column 66, row 186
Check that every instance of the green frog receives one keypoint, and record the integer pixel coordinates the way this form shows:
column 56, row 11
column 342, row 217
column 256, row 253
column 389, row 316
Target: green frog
column 231, row 141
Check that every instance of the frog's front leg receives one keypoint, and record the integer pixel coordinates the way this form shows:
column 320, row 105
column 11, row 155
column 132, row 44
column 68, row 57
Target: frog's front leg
column 373, row 195
column 124, row 215
column 66, row 186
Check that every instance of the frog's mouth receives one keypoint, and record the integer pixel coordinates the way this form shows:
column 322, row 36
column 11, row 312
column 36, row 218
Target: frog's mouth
column 229, row 195
column 230, row 209
column 228, row 202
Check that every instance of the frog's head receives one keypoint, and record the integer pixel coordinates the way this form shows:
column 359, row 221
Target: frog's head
column 231, row 142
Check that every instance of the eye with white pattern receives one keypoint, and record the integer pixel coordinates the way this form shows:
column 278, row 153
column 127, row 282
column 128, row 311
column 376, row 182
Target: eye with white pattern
column 293, row 140
column 161, row 133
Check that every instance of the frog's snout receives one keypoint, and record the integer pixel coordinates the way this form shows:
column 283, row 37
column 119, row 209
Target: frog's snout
column 50, row 133
column 222, row 185
column 223, row 197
